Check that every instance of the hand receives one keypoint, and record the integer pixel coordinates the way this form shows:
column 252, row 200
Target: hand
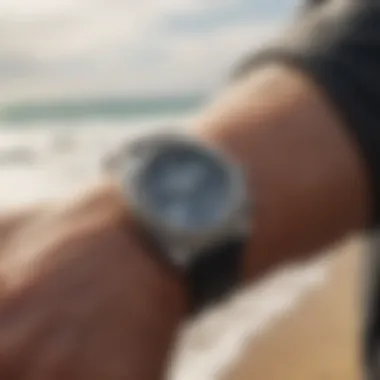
column 84, row 300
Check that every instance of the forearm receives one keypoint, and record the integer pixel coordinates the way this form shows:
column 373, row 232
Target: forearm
column 306, row 177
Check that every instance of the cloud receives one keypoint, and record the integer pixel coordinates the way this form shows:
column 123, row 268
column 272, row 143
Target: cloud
column 63, row 47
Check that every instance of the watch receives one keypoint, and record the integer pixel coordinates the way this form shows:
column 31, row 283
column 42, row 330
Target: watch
column 191, row 201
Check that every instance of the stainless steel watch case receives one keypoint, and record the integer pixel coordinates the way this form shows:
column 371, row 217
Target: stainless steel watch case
column 182, row 247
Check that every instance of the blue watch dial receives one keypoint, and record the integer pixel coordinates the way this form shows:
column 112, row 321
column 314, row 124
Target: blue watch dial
column 186, row 188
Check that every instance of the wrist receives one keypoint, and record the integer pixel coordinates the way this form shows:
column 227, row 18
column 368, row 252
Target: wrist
column 165, row 286
column 190, row 201
column 153, row 279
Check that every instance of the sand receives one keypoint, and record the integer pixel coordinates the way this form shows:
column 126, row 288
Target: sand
column 317, row 340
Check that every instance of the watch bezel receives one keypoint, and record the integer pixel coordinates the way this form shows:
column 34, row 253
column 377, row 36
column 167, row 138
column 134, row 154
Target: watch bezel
column 236, row 220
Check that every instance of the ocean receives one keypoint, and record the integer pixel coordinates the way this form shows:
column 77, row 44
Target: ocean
column 54, row 146
column 49, row 150
column 118, row 108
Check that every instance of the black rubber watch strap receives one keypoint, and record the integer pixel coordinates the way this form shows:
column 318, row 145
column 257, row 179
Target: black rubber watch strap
column 215, row 274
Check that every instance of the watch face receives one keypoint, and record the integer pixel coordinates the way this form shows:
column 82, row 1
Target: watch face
column 186, row 188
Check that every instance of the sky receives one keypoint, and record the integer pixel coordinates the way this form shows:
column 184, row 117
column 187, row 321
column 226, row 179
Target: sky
column 63, row 48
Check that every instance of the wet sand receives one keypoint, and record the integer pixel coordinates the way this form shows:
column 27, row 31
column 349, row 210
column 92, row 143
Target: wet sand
column 317, row 340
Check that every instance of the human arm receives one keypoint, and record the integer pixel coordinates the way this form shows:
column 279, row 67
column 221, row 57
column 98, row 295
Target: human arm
column 287, row 135
column 307, row 178
column 117, row 283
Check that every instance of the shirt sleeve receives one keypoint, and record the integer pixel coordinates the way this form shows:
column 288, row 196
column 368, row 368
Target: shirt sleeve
column 337, row 44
